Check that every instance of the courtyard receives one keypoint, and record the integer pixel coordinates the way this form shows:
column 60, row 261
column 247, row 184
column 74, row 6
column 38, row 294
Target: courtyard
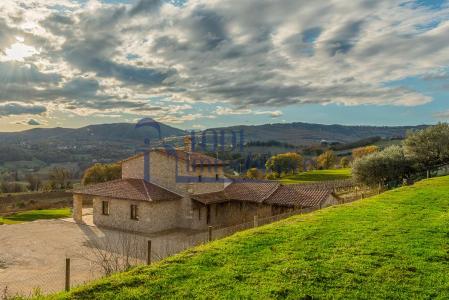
column 33, row 254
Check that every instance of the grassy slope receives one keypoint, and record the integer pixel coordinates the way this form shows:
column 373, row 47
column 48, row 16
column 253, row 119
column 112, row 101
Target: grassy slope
column 395, row 245
column 33, row 215
column 317, row 175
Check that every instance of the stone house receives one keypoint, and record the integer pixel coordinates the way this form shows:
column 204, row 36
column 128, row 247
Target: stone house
column 178, row 188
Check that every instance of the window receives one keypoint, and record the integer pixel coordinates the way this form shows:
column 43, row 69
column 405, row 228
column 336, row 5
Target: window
column 200, row 178
column 105, row 208
column 217, row 177
column 134, row 214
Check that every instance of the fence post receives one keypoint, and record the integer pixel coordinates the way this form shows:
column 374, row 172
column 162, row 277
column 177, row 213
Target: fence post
column 210, row 233
column 67, row 274
column 256, row 221
column 149, row 252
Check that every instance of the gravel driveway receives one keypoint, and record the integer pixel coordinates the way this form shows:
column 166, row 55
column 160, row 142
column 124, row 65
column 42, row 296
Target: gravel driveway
column 32, row 255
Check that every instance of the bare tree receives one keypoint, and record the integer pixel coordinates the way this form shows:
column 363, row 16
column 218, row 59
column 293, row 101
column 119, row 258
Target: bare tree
column 116, row 251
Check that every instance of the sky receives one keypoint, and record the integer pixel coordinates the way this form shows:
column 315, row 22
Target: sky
column 196, row 64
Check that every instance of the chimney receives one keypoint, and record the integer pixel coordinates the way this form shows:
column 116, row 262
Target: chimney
column 188, row 143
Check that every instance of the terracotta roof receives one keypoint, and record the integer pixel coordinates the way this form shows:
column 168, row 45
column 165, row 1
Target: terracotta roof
column 210, row 198
column 131, row 189
column 196, row 158
column 252, row 191
column 297, row 195
column 267, row 192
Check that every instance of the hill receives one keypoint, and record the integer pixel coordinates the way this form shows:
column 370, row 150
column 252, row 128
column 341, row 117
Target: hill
column 306, row 134
column 38, row 149
column 392, row 246
column 121, row 132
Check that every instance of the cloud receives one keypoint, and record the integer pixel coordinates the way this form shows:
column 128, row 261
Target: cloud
column 14, row 109
column 114, row 58
column 273, row 114
column 444, row 115
column 33, row 122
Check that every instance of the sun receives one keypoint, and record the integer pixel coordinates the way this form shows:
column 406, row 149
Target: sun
column 18, row 51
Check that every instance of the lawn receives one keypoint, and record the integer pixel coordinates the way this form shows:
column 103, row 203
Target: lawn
column 391, row 246
column 33, row 215
column 317, row 175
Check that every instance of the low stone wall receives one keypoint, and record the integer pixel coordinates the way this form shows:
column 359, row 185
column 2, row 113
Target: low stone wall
column 10, row 203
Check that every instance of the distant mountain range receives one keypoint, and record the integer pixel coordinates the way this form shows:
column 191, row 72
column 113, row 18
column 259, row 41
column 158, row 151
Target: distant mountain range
column 41, row 148
column 306, row 134
column 293, row 133
column 118, row 132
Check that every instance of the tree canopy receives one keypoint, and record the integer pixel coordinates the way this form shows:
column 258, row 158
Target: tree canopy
column 428, row 147
column 385, row 167
column 102, row 173
column 287, row 163
column 363, row 151
column 327, row 160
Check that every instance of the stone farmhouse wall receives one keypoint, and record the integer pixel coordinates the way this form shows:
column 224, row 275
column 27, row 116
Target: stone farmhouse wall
column 163, row 171
column 153, row 217
column 228, row 214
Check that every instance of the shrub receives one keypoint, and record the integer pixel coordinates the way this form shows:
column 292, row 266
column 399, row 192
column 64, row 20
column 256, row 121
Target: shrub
column 102, row 173
column 363, row 151
column 272, row 176
column 254, row 173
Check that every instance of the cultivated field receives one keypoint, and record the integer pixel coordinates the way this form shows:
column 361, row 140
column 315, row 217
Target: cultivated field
column 392, row 246
column 317, row 175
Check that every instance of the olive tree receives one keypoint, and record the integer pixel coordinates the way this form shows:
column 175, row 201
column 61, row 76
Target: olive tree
column 428, row 147
column 389, row 166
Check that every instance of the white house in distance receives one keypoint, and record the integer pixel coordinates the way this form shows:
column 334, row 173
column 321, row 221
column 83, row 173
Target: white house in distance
column 185, row 189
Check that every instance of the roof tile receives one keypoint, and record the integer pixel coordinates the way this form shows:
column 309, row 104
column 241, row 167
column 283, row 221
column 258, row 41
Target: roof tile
column 132, row 189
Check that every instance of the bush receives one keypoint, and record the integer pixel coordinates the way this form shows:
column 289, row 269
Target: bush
column 254, row 173
column 102, row 173
column 363, row 151
column 272, row 176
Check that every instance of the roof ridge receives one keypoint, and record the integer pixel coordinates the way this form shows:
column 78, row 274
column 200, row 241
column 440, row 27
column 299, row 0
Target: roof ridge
column 162, row 187
column 272, row 192
column 146, row 189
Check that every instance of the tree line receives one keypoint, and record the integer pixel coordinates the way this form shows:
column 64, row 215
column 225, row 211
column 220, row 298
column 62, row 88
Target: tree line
column 419, row 153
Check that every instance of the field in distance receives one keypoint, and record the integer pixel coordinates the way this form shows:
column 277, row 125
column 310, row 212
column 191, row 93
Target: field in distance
column 317, row 175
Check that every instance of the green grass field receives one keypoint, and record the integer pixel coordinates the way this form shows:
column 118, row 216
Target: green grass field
column 317, row 175
column 391, row 246
column 33, row 215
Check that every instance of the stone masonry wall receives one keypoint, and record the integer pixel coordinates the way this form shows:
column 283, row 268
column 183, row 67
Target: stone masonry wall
column 153, row 217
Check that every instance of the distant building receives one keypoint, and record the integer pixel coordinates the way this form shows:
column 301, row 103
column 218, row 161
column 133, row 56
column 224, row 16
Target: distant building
column 187, row 189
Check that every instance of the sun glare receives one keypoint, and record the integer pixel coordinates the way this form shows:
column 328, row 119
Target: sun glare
column 19, row 51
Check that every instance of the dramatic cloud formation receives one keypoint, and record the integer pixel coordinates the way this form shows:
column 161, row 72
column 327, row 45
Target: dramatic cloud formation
column 7, row 109
column 239, row 57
